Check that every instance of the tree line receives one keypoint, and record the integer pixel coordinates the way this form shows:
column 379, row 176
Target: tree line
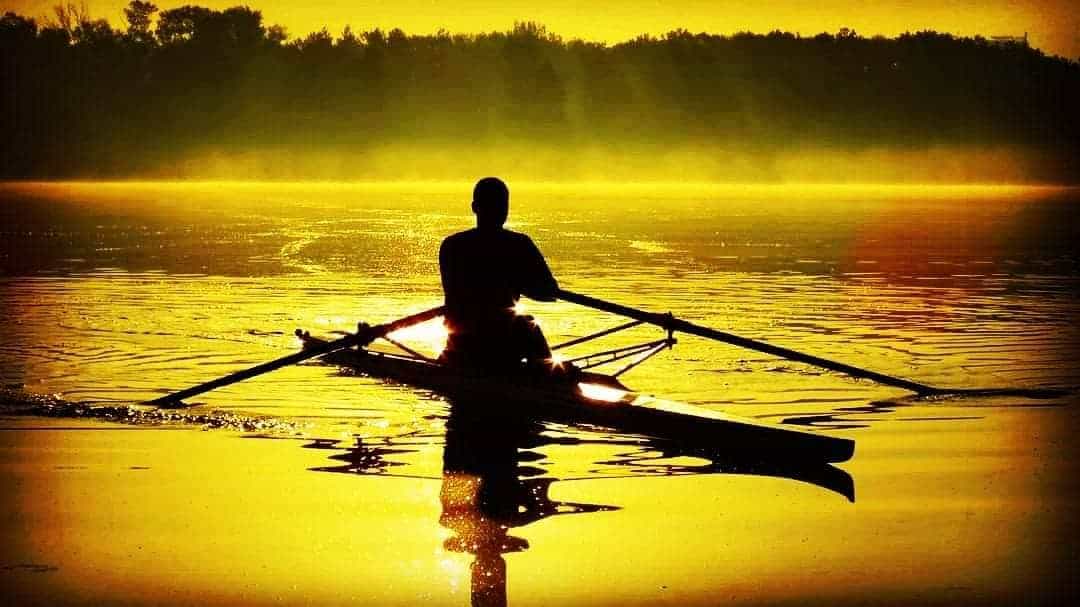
column 83, row 98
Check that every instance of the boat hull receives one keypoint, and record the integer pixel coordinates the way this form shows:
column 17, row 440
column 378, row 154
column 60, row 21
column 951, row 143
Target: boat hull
column 598, row 400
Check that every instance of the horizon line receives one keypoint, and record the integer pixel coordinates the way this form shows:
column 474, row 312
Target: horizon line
column 617, row 184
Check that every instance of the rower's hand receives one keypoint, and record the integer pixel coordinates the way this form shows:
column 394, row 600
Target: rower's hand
column 364, row 334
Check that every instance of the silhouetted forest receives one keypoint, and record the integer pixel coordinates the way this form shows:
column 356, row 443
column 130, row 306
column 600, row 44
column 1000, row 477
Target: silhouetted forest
column 81, row 98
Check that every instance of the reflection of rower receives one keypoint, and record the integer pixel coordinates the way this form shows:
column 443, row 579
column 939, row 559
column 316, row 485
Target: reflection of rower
column 485, row 494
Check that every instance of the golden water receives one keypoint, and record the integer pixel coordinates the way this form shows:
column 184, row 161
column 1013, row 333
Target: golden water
column 114, row 293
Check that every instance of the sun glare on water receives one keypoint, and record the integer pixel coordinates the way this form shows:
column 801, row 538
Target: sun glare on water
column 430, row 336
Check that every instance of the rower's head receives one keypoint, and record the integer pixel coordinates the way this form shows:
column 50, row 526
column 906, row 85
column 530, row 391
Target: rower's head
column 490, row 202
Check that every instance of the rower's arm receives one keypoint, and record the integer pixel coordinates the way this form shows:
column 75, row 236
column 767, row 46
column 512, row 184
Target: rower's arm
column 449, row 273
column 538, row 283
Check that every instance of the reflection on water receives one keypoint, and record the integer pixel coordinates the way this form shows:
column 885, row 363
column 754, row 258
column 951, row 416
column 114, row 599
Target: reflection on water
column 493, row 481
column 486, row 492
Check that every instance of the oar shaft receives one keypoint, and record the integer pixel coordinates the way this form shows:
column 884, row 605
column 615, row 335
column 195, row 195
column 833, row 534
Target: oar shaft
column 675, row 324
column 239, row 376
column 371, row 334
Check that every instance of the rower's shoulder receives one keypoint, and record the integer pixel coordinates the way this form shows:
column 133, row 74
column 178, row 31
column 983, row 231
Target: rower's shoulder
column 501, row 240
column 477, row 234
column 518, row 237
column 459, row 237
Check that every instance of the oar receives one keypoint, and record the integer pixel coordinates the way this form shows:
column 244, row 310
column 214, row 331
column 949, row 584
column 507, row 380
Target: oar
column 363, row 337
column 671, row 323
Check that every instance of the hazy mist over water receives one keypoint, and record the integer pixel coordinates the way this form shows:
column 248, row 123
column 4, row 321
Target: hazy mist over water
column 708, row 162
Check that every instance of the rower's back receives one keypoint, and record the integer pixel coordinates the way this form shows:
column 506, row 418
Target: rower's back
column 485, row 271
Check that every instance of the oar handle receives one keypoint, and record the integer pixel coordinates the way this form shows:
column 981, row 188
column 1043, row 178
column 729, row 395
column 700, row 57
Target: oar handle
column 675, row 324
column 362, row 337
column 660, row 320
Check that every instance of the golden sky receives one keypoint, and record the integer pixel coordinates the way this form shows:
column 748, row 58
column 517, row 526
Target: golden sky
column 1052, row 25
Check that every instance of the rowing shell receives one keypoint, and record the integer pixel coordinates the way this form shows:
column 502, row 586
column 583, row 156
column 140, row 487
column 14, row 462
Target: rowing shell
column 597, row 400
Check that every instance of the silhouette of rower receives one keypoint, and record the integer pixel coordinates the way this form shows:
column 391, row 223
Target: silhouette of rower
column 485, row 271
